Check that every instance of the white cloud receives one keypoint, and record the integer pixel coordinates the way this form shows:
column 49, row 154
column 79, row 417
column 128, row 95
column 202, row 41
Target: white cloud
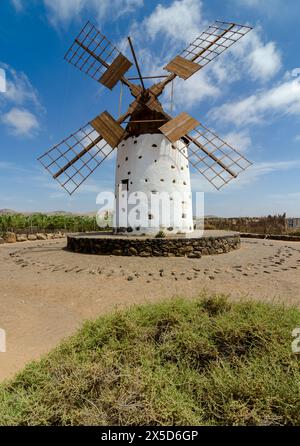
column 20, row 95
column 246, row 178
column 183, row 21
column 179, row 21
column 4, row 165
column 18, row 5
column 261, row 4
column 192, row 91
column 271, row 5
column 265, row 61
column 19, row 89
column 257, row 58
column 262, row 169
column 240, row 141
column 250, row 2
column 2, row 81
column 21, row 121
column 64, row 11
column 281, row 99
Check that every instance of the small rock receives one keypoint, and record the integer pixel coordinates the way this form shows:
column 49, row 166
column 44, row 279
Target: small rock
column 21, row 238
column 211, row 277
column 31, row 237
column 117, row 252
column 129, row 278
column 41, row 236
column 10, row 237
column 145, row 254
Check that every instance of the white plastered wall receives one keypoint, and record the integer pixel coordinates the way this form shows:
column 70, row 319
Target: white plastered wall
column 152, row 166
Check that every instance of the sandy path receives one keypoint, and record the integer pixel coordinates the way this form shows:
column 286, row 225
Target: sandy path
column 46, row 292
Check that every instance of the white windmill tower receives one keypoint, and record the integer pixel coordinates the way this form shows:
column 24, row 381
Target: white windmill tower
column 154, row 150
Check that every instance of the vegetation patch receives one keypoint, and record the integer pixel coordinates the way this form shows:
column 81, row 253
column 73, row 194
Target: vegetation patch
column 201, row 362
column 42, row 222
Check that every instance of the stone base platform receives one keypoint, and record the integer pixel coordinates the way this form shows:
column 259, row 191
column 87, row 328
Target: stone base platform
column 192, row 245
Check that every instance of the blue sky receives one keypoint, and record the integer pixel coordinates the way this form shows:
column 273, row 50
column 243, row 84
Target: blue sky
column 250, row 95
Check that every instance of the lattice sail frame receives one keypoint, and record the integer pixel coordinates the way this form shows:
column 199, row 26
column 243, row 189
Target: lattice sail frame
column 76, row 144
column 210, row 44
column 97, row 44
column 204, row 160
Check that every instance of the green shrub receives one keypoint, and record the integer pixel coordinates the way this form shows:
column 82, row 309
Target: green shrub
column 179, row 362
column 43, row 222
column 160, row 234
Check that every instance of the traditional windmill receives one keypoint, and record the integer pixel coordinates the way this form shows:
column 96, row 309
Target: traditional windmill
column 154, row 150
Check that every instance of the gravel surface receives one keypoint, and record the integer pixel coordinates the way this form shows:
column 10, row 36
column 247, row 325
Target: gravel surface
column 46, row 292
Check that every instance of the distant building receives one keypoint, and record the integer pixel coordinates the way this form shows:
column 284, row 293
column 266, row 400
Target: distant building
column 293, row 223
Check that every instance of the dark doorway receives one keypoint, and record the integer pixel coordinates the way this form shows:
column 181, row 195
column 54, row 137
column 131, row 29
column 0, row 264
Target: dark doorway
column 125, row 184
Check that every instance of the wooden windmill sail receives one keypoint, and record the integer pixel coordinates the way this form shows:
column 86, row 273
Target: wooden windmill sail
column 75, row 158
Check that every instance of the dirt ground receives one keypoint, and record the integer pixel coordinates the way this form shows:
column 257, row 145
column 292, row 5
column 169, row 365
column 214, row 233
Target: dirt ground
column 46, row 292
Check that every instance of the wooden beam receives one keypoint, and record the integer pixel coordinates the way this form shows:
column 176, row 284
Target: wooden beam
column 109, row 129
column 115, row 72
column 179, row 126
column 182, row 67
column 136, row 63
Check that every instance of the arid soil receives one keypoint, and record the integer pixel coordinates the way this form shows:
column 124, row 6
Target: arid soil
column 46, row 292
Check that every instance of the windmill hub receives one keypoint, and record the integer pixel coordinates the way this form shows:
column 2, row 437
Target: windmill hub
column 154, row 149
